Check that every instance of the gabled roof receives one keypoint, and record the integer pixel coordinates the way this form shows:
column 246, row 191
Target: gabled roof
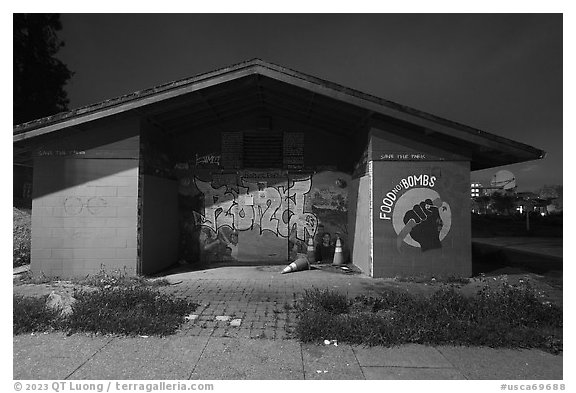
column 303, row 95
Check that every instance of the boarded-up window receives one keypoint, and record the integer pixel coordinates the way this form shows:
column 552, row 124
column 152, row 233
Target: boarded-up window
column 293, row 150
column 262, row 149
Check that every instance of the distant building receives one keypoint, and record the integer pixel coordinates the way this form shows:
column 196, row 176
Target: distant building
column 476, row 190
column 480, row 205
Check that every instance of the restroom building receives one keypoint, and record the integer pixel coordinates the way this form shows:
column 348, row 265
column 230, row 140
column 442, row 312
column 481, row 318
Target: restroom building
column 244, row 165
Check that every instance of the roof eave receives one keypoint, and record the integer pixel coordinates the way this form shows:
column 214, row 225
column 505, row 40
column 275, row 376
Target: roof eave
column 256, row 66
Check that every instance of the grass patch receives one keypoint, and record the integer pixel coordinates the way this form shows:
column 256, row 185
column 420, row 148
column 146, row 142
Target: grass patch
column 509, row 316
column 31, row 315
column 133, row 310
column 129, row 311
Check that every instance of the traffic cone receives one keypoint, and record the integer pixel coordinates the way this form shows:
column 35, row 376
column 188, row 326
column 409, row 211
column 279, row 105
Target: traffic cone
column 338, row 255
column 299, row 264
column 310, row 252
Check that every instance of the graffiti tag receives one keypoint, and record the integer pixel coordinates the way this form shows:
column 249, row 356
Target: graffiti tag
column 242, row 207
column 404, row 184
column 208, row 159
column 73, row 205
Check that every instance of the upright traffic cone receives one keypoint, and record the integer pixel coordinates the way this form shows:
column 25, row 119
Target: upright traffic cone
column 299, row 264
column 310, row 253
column 338, row 255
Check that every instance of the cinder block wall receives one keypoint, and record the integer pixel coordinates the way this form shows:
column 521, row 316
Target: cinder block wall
column 409, row 173
column 440, row 243
column 84, row 209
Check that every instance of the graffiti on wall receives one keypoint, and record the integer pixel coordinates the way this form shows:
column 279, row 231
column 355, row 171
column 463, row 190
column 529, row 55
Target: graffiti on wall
column 419, row 215
column 329, row 200
column 74, row 206
column 208, row 159
column 258, row 215
column 60, row 153
column 277, row 209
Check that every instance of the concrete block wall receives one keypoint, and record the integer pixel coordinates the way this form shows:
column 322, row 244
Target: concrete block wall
column 84, row 208
column 84, row 227
column 406, row 171
column 436, row 195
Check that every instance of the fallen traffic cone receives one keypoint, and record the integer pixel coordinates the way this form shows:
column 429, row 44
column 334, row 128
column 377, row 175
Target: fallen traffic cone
column 299, row 264
column 338, row 255
column 310, row 253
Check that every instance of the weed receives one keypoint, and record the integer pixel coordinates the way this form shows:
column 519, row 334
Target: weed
column 118, row 310
column 508, row 316
column 31, row 315
column 325, row 300
column 128, row 310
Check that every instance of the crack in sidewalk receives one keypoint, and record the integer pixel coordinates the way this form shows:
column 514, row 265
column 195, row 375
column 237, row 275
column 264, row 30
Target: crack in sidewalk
column 87, row 360
column 455, row 367
column 358, row 362
column 199, row 358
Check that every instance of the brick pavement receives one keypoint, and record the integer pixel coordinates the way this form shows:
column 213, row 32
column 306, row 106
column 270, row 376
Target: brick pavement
column 259, row 296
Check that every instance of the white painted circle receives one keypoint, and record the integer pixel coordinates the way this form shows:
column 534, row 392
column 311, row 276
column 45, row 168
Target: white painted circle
column 73, row 206
column 413, row 197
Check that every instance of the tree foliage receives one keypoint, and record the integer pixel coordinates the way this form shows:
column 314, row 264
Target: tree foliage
column 39, row 77
column 502, row 203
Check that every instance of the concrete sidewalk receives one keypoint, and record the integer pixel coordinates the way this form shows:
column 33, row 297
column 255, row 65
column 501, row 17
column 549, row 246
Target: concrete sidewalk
column 57, row 356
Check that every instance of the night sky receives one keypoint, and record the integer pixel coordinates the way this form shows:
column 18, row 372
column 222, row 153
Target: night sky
column 499, row 73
